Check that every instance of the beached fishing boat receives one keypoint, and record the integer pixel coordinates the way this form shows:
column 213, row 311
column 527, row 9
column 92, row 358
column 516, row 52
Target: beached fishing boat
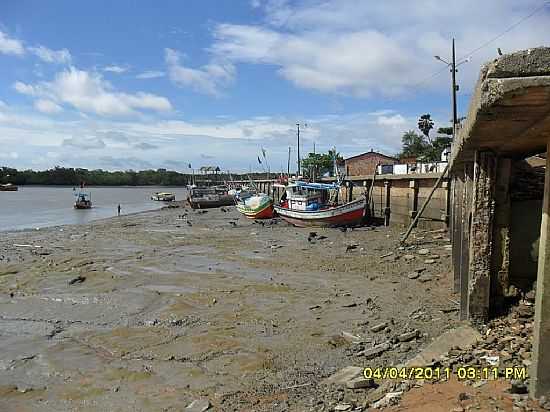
column 163, row 197
column 8, row 187
column 311, row 204
column 259, row 206
column 83, row 201
column 208, row 197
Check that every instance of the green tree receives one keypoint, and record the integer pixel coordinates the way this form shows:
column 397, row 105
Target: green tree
column 414, row 145
column 318, row 164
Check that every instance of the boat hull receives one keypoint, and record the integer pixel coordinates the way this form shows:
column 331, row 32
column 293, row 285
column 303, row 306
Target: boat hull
column 82, row 206
column 264, row 212
column 10, row 188
column 349, row 214
column 208, row 204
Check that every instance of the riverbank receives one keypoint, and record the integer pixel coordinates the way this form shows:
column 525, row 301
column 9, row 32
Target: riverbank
column 155, row 310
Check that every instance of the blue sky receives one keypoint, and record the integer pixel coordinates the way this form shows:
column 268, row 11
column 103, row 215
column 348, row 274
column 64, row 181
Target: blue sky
column 135, row 85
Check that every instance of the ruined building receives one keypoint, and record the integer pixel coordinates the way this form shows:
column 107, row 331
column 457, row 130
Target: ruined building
column 500, row 182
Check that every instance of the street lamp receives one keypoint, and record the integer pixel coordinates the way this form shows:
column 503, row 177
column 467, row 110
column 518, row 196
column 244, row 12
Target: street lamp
column 453, row 65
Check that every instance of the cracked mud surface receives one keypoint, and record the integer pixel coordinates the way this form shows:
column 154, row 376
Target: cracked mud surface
column 148, row 312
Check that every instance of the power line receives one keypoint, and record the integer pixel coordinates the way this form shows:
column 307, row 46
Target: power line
column 513, row 26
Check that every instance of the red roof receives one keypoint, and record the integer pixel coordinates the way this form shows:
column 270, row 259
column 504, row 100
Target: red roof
column 372, row 153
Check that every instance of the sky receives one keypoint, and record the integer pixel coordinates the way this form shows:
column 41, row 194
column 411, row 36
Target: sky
column 146, row 84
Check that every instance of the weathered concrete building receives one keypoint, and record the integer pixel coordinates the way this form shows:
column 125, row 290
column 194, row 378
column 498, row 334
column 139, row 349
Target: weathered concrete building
column 365, row 163
column 500, row 227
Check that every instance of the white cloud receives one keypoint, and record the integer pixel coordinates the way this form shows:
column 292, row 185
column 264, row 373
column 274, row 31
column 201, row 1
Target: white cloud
column 90, row 93
column 209, row 79
column 383, row 48
column 10, row 46
column 84, row 142
column 115, row 69
column 395, row 120
column 150, row 74
column 62, row 56
column 47, row 106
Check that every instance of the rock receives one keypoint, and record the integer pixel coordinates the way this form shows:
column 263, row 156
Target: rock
column 518, row 387
column 198, row 405
column 429, row 261
column 375, row 351
column 408, row 257
column 423, row 252
column 413, row 275
column 351, row 338
column 391, row 398
column 462, row 396
column 461, row 337
column 458, row 409
column 344, row 375
column 379, row 327
column 405, row 337
column 78, row 279
column 343, row 407
column 360, row 383
column 425, row 278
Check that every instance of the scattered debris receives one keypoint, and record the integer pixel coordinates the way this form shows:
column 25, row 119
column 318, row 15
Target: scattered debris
column 413, row 275
column 379, row 327
column 78, row 279
column 344, row 375
column 351, row 247
column 423, row 252
column 391, row 398
column 198, row 405
column 407, row 336
column 386, row 255
column 360, row 383
column 375, row 351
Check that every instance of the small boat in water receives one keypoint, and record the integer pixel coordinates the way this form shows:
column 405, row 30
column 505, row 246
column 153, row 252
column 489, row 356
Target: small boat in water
column 257, row 206
column 310, row 204
column 163, row 197
column 8, row 187
column 208, row 197
column 83, row 201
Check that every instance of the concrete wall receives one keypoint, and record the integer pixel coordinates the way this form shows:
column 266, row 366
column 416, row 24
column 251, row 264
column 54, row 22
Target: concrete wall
column 406, row 196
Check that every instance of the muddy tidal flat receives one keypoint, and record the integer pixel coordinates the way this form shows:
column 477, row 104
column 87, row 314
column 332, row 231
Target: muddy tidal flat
column 155, row 310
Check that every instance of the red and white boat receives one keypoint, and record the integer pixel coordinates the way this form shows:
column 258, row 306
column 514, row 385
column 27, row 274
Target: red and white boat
column 310, row 204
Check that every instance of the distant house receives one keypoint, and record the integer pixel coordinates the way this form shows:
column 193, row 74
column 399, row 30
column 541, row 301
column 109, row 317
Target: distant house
column 365, row 164
column 209, row 170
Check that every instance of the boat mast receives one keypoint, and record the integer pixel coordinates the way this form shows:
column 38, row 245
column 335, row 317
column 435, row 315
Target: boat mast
column 298, row 132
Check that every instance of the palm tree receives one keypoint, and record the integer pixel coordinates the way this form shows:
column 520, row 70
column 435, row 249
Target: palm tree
column 425, row 124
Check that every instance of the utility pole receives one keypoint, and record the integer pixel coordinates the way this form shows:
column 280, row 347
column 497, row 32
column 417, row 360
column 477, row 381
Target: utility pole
column 298, row 130
column 455, row 88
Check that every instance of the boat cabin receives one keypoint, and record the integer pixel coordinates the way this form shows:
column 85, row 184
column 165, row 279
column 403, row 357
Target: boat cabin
column 307, row 196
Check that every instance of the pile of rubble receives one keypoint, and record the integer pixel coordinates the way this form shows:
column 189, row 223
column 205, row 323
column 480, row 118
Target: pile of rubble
column 505, row 344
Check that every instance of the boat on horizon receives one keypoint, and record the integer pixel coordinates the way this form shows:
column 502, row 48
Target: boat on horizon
column 314, row 204
column 83, row 201
column 209, row 197
column 8, row 187
column 163, row 197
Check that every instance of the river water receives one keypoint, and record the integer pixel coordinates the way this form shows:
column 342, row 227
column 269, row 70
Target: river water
column 42, row 206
